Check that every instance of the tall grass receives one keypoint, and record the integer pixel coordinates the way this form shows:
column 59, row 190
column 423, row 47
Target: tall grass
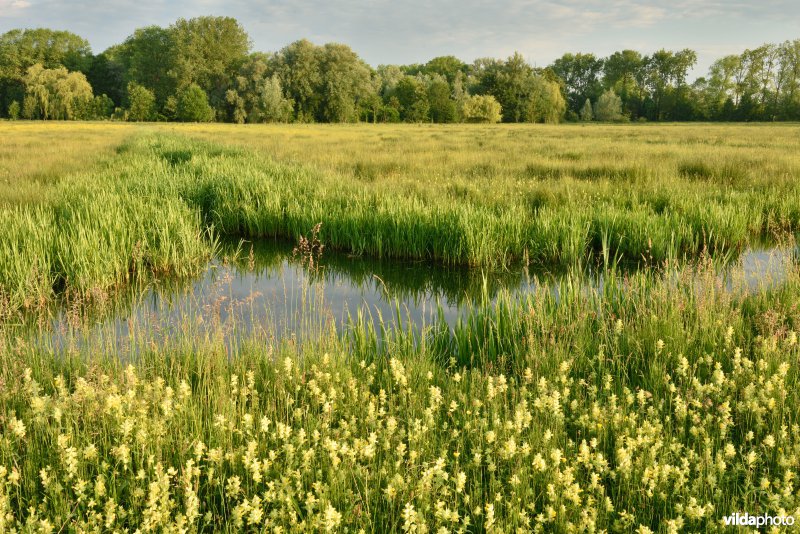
column 148, row 209
column 93, row 239
column 559, row 205
column 662, row 411
column 243, row 194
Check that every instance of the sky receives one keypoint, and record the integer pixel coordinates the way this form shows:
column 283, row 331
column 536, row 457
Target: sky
column 414, row 31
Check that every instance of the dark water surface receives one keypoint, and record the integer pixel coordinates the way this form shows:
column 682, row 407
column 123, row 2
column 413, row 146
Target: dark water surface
column 269, row 290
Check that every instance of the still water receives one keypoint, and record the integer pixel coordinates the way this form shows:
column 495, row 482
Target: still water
column 262, row 287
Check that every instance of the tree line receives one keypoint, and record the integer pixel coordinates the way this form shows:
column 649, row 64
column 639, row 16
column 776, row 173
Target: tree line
column 204, row 69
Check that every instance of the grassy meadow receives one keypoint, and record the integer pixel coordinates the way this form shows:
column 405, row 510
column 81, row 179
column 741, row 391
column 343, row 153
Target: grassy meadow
column 660, row 401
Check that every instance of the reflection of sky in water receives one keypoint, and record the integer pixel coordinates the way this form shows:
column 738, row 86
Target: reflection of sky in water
column 272, row 293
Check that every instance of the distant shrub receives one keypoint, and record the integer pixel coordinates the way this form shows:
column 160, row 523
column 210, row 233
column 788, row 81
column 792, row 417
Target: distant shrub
column 608, row 107
column 14, row 110
column 141, row 103
column 481, row 108
column 193, row 106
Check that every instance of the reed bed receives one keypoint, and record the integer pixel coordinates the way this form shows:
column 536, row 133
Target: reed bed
column 151, row 208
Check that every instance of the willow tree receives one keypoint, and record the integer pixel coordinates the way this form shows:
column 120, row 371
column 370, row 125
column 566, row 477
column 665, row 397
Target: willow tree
column 22, row 49
column 481, row 108
column 546, row 103
column 55, row 93
column 608, row 107
column 256, row 94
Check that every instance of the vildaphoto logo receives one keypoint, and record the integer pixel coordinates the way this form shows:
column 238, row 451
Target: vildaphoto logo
column 764, row 520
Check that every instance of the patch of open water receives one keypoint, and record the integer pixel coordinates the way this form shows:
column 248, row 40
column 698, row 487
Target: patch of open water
column 270, row 291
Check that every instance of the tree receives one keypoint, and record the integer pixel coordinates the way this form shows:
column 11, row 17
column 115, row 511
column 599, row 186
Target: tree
column 666, row 71
column 256, row 95
column 481, row 108
column 298, row 66
column 586, row 111
column 447, row 66
column 390, row 112
column 55, row 93
column 193, row 106
column 107, row 74
column 546, row 103
column 442, row 107
column 346, row 82
column 412, row 96
column 788, row 103
column 510, row 82
column 208, row 51
column 608, row 107
column 624, row 73
column 99, row 108
column 141, row 103
column 581, row 76
column 22, row 49
column 148, row 58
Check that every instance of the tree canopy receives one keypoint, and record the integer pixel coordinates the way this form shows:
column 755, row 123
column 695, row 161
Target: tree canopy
column 203, row 69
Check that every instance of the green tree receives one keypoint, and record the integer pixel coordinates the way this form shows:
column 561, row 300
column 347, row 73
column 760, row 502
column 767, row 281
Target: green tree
column 586, row 111
column 481, row 108
column 442, row 106
column 665, row 71
column 624, row 73
column 14, row 110
column 107, row 74
column 787, row 94
column 299, row 67
column 141, row 103
column 510, row 82
column 22, row 49
column 412, row 96
column 99, row 108
column 581, row 76
column 346, row 83
column 148, row 58
column 208, row 51
column 608, row 107
column 447, row 66
column 257, row 95
column 546, row 103
column 193, row 106
column 55, row 93
column 390, row 112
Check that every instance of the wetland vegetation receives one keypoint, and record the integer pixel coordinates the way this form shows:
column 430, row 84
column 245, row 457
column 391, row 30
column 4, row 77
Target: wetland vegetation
column 597, row 355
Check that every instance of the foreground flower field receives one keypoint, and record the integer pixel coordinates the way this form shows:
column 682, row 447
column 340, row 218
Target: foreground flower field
column 642, row 414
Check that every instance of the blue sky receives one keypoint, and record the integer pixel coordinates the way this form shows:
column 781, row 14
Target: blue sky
column 409, row 31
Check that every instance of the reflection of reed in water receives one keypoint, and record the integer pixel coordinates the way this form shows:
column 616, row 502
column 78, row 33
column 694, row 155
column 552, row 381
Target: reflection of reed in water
column 261, row 287
column 413, row 281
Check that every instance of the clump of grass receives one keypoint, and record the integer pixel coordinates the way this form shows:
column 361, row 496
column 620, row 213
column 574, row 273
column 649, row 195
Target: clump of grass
column 90, row 238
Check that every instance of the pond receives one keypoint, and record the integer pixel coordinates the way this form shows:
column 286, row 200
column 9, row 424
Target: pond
column 263, row 287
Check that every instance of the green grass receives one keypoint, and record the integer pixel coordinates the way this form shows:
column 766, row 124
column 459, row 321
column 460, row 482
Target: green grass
column 664, row 410
column 164, row 191
column 34, row 156
column 660, row 401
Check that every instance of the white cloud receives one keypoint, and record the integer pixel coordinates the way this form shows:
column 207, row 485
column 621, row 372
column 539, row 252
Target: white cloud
column 9, row 8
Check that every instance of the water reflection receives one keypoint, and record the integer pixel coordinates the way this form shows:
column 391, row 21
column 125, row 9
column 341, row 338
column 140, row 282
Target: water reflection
column 262, row 288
